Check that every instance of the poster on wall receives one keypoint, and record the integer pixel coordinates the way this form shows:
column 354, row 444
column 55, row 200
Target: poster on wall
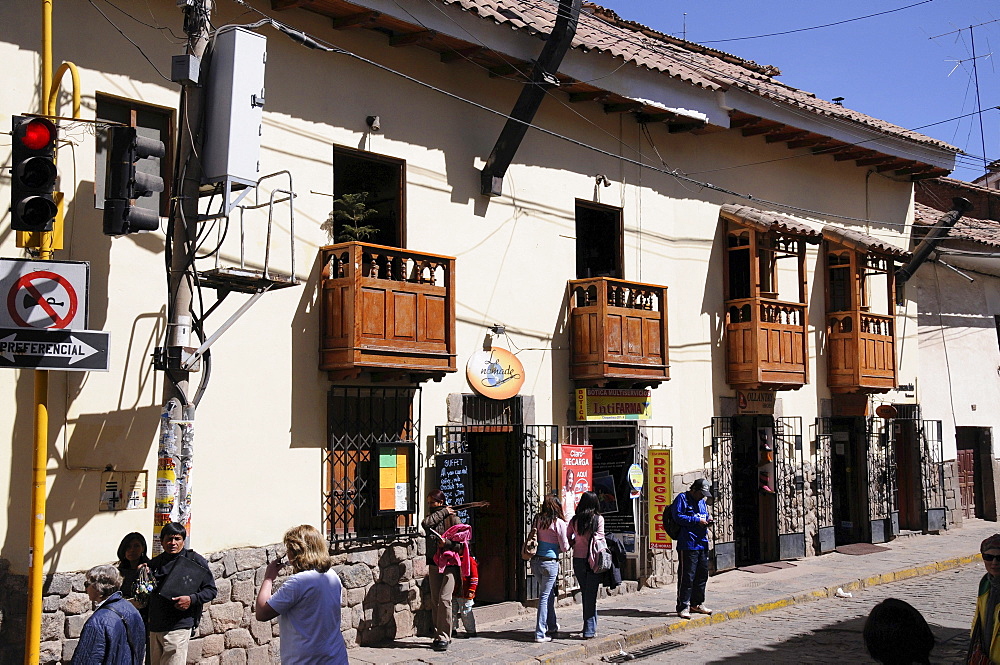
column 576, row 474
column 611, row 483
column 604, row 487
column 659, row 492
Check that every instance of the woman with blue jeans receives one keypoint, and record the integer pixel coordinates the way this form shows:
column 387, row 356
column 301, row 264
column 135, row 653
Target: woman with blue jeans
column 552, row 540
column 585, row 524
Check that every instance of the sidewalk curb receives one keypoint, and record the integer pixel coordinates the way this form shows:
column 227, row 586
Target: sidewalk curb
column 642, row 636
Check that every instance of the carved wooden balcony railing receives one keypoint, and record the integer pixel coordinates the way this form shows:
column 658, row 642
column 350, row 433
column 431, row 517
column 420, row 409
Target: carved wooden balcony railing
column 619, row 332
column 861, row 352
column 765, row 344
column 386, row 310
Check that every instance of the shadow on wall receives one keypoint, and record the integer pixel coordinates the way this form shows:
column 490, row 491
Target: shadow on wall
column 309, row 385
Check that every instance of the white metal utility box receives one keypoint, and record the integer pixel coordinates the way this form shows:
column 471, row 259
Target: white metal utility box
column 235, row 106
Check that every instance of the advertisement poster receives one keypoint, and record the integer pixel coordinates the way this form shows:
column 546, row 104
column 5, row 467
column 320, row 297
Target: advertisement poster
column 576, row 475
column 659, row 492
column 613, row 488
column 604, row 486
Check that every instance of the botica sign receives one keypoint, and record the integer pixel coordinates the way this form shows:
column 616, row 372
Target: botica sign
column 495, row 373
column 613, row 404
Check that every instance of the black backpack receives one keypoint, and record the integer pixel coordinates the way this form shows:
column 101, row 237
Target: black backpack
column 670, row 525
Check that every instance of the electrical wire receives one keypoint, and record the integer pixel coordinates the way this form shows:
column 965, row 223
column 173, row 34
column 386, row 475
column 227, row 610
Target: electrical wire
column 178, row 39
column 130, row 41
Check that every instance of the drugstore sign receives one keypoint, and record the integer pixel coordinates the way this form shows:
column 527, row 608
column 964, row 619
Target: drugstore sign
column 611, row 404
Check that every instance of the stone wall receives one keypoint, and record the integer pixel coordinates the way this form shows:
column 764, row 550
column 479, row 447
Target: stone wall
column 383, row 596
column 952, row 495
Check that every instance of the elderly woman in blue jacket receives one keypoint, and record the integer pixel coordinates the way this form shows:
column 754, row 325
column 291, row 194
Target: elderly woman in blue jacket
column 114, row 634
column 691, row 511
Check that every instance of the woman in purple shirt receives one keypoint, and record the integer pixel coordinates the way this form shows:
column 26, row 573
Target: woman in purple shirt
column 552, row 540
column 585, row 524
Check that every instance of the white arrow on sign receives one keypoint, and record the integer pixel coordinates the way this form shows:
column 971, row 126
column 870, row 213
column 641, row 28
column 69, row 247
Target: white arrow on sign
column 72, row 348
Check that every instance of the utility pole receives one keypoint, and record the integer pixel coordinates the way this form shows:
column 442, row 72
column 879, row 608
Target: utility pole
column 173, row 493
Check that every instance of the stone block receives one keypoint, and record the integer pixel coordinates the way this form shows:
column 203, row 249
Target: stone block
column 50, row 652
column 211, row 660
column 339, row 559
column 382, row 614
column 380, row 593
column 357, row 614
column 354, row 596
column 229, row 563
column 51, row 603
column 244, row 592
column 358, row 575
column 212, row 645
column 79, row 582
column 218, row 569
column 194, row 650
column 225, row 587
column 76, row 603
column 403, row 622
column 239, row 638
column 250, row 558
column 226, row 616
column 261, row 631
column 74, row 624
column 395, row 554
column 406, row 570
column 391, row 574
column 367, row 557
column 258, row 656
column 419, row 568
column 52, row 626
column 59, row 584
column 68, row 649
column 233, row 657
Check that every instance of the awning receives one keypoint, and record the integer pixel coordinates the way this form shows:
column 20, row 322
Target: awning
column 763, row 221
column 861, row 242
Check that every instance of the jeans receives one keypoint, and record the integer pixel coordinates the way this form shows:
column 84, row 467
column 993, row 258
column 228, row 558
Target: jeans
column 547, row 573
column 691, row 578
column 589, row 583
column 461, row 609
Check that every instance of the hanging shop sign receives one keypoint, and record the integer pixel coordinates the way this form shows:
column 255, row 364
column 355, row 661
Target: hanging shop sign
column 635, row 479
column 495, row 373
column 612, row 404
column 577, row 473
column 659, row 489
column 751, row 402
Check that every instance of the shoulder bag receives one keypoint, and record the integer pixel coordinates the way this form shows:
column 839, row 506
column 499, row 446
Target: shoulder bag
column 530, row 546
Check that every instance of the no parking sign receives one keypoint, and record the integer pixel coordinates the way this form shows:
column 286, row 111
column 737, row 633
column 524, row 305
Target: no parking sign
column 44, row 295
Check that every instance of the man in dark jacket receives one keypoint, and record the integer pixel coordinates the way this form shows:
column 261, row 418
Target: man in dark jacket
column 691, row 512
column 114, row 634
column 184, row 584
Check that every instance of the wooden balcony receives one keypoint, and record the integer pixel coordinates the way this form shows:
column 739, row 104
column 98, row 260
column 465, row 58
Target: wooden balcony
column 618, row 333
column 765, row 344
column 386, row 311
column 861, row 352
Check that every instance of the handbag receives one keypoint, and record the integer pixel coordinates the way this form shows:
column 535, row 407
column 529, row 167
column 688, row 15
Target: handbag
column 530, row 546
column 599, row 556
column 145, row 584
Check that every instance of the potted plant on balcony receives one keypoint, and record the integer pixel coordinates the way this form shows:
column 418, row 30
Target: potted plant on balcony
column 346, row 222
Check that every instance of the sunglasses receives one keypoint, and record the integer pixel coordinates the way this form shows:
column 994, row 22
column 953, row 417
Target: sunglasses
column 990, row 557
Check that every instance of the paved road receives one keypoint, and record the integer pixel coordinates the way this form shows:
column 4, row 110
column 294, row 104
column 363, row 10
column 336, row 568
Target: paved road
column 829, row 630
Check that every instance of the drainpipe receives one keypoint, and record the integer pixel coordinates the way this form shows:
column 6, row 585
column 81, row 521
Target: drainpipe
column 542, row 78
column 937, row 233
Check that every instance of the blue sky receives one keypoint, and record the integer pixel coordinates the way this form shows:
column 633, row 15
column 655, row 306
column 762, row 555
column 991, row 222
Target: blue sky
column 895, row 67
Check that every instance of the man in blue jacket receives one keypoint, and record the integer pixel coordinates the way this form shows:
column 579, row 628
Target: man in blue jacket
column 691, row 512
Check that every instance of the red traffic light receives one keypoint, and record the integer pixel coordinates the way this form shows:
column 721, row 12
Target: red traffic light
column 36, row 134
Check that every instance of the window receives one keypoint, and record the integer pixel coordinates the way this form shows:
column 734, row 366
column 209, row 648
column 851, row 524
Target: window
column 599, row 236
column 381, row 179
column 155, row 122
column 372, row 480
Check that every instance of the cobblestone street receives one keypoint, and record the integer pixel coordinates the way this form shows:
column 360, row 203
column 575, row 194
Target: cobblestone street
column 829, row 629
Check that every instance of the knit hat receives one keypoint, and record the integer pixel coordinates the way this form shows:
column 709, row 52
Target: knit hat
column 991, row 543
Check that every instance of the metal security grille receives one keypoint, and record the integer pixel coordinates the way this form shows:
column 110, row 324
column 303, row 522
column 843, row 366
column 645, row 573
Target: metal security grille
column 789, row 481
column 358, row 420
column 823, row 482
column 882, row 499
column 723, row 531
column 931, row 466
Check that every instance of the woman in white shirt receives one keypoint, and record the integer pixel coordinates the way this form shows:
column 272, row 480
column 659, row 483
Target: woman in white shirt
column 552, row 540
column 307, row 604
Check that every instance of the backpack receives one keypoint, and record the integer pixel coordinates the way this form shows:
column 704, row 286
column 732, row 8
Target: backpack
column 670, row 525
column 599, row 555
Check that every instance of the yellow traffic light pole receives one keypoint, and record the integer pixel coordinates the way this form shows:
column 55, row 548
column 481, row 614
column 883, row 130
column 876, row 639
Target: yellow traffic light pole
column 43, row 242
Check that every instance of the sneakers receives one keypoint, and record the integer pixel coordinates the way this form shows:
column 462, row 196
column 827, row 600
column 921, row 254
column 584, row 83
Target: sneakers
column 543, row 639
column 701, row 609
column 553, row 632
column 685, row 613
column 439, row 645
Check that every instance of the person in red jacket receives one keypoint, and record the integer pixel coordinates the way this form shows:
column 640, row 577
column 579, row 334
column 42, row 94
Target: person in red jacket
column 461, row 604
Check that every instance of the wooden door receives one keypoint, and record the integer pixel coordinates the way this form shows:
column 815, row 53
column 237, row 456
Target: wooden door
column 496, row 479
column 967, row 481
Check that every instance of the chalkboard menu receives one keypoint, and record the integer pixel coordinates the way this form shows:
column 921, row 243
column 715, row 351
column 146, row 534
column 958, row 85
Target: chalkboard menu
column 454, row 481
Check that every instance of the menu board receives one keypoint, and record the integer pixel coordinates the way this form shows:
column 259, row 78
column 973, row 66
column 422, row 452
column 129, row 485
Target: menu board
column 395, row 482
column 453, row 480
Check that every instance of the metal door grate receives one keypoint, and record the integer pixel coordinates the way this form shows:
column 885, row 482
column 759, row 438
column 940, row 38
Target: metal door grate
column 789, row 471
column 723, row 533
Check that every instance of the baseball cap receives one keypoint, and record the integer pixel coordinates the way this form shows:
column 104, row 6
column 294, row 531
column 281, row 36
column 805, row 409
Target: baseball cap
column 703, row 486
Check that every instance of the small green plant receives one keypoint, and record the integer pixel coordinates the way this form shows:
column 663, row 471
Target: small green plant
column 346, row 220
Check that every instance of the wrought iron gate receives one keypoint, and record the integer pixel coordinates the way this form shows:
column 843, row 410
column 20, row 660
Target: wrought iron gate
column 789, row 471
column 536, row 444
column 723, row 533
column 883, row 513
column 822, row 486
column 932, row 475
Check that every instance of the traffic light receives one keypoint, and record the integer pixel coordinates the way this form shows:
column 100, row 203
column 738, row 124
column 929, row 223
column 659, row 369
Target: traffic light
column 125, row 182
column 33, row 174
